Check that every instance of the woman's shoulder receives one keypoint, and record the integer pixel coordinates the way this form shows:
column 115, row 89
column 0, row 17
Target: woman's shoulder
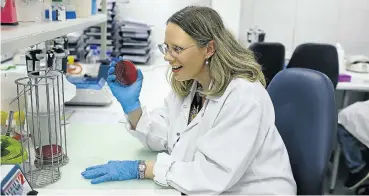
column 246, row 90
column 247, row 93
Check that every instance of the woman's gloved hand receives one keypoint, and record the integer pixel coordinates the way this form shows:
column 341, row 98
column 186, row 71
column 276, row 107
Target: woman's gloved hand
column 127, row 95
column 112, row 171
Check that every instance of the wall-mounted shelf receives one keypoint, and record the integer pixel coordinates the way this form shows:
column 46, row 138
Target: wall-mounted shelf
column 26, row 34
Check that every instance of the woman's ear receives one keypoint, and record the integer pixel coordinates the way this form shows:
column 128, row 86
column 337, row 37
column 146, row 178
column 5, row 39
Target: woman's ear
column 210, row 49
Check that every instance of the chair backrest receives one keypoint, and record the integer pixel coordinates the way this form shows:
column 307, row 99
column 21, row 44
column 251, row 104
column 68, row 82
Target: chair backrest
column 320, row 57
column 306, row 118
column 270, row 56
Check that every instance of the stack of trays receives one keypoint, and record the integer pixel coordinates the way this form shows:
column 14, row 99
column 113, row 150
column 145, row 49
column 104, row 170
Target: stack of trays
column 133, row 41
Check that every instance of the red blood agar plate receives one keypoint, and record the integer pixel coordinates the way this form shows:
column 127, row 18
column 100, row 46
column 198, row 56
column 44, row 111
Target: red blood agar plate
column 126, row 72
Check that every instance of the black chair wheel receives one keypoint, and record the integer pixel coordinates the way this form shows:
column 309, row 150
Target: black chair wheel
column 362, row 190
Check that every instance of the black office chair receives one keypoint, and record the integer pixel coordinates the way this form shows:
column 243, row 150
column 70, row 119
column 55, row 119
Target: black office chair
column 306, row 117
column 320, row 57
column 270, row 56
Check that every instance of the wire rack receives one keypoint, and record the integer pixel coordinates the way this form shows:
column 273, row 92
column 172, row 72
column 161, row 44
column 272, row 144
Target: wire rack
column 44, row 108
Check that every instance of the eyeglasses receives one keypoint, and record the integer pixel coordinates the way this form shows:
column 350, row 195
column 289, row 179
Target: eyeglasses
column 174, row 51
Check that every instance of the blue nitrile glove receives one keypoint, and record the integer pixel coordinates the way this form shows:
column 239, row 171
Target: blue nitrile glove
column 112, row 171
column 127, row 95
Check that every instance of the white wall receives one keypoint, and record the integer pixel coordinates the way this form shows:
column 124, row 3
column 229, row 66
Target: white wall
column 230, row 12
column 156, row 13
column 290, row 22
column 293, row 22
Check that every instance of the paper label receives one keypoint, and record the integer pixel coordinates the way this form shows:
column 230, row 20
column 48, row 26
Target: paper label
column 16, row 185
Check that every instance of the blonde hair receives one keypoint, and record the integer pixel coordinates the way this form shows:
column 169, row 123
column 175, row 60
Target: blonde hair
column 230, row 60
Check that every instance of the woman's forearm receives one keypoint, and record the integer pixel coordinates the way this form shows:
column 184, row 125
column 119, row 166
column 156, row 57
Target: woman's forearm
column 134, row 117
column 149, row 173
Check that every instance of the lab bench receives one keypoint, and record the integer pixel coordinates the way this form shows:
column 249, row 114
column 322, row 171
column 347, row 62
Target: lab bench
column 95, row 144
column 96, row 135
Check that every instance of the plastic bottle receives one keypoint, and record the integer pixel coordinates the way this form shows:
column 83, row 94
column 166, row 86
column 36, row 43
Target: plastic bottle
column 93, row 55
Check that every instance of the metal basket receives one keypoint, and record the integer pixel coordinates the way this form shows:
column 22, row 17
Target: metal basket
column 44, row 111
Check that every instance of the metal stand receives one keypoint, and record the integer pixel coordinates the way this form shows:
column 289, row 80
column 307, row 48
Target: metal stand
column 47, row 149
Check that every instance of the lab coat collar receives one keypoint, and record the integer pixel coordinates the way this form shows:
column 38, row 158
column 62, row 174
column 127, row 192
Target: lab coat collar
column 194, row 89
column 188, row 100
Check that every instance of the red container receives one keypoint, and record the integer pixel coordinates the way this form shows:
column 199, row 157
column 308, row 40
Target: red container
column 49, row 151
column 126, row 72
column 8, row 13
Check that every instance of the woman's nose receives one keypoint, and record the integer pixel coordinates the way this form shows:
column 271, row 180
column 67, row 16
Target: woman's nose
column 168, row 57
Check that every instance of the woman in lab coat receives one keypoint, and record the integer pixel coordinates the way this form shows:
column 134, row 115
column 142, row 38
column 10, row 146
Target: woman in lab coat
column 353, row 133
column 216, row 133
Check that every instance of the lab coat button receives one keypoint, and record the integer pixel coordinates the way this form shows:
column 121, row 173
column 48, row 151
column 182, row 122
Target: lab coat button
column 178, row 134
column 184, row 106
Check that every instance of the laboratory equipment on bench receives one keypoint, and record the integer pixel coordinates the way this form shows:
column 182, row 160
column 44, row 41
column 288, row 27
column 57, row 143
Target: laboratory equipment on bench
column 92, row 91
column 50, row 58
column 255, row 35
column 43, row 111
column 8, row 13
column 358, row 63
column 56, row 56
column 60, row 62
column 62, row 43
column 73, row 68
column 93, row 55
column 60, row 58
column 43, row 91
column 57, row 53
column 10, row 120
column 33, row 58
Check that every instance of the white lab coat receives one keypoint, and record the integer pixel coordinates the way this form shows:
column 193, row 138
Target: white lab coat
column 231, row 147
column 355, row 119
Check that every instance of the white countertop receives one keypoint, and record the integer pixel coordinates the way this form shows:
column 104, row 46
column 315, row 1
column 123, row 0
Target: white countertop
column 96, row 135
column 94, row 144
column 359, row 82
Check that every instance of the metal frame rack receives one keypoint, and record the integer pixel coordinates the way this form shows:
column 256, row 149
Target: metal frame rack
column 14, row 38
